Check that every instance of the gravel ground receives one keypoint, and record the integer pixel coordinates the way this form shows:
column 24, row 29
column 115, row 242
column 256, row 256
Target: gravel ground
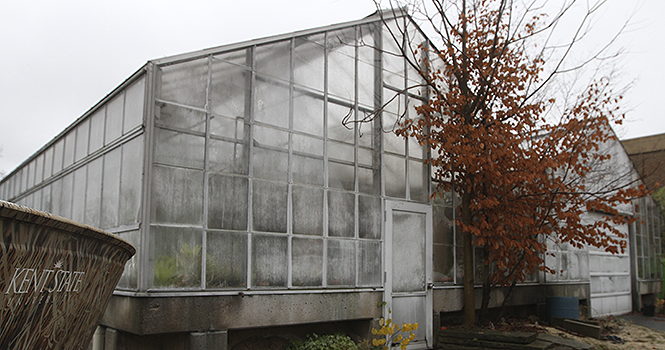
column 625, row 333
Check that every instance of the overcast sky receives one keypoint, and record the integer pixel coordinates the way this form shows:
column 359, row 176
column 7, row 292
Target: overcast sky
column 58, row 58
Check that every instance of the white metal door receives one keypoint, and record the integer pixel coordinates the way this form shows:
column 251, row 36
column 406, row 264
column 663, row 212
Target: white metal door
column 409, row 268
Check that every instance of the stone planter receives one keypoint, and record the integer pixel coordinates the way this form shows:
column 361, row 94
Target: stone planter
column 56, row 277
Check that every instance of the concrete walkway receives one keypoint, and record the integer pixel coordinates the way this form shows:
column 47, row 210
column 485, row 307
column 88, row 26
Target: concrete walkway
column 655, row 322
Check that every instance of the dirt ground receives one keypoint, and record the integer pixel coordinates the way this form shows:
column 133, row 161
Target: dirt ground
column 634, row 337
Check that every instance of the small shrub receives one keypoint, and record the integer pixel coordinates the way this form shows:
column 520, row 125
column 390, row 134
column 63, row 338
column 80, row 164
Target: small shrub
column 325, row 342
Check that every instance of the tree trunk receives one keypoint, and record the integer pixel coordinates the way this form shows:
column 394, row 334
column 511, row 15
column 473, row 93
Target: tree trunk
column 487, row 288
column 469, row 299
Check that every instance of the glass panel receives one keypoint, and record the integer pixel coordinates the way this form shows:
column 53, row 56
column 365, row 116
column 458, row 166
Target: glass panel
column 391, row 142
column 270, row 164
column 308, row 64
column 340, row 123
column 134, row 97
column 58, row 150
column 418, row 181
column 408, row 251
column 307, row 114
column 269, row 137
column 307, row 145
column 111, row 189
column 370, row 271
column 392, row 57
column 341, row 208
column 29, row 172
column 232, row 128
column 177, row 257
column 366, row 84
column 367, row 45
column 274, row 59
column 181, row 118
column 230, row 93
column 131, row 184
column 39, row 168
column 97, row 121
column 227, row 206
column 369, row 217
column 78, row 196
column 82, row 132
column 341, row 176
column 181, row 149
column 70, row 144
column 395, row 176
column 269, row 260
column 226, row 260
column 340, row 151
column 341, row 75
column 369, row 180
column 185, row 82
column 341, row 262
column 129, row 275
column 114, row 116
column 307, row 210
column 416, row 150
column 238, row 57
column 93, row 197
column 48, row 162
column 269, row 206
column 228, row 157
column 65, row 197
column 307, row 170
column 271, row 102
column 307, row 261
column 47, row 200
column 177, row 196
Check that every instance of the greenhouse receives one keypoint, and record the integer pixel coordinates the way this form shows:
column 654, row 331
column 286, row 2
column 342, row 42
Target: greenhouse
column 263, row 187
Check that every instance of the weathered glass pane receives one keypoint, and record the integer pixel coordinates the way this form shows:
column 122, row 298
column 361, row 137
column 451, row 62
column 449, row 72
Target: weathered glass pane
column 418, row 181
column 39, row 168
column 177, row 196
column 228, row 157
column 227, row 203
column 366, row 84
column 177, row 257
column 307, row 145
column 58, row 153
column 367, row 46
column 307, row 113
column 370, row 264
column 369, row 180
column 97, row 121
column 29, row 171
column 274, row 59
column 307, row 170
column 93, row 197
column 180, row 117
column 369, row 217
column 269, row 206
column 269, row 137
column 181, row 149
column 48, row 162
column 185, row 82
column 307, row 261
column 82, row 133
column 47, row 199
column 78, row 195
column 308, row 64
column 341, row 209
column 340, row 151
column 232, row 128
column 408, row 251
column 341, row 262
column 131, row 181
column 270, row 164
column 229, row 93
column 114, row 115
column 271, row 104
column 226, row 260
column 134, row 98
column 269, row 260
column 391, row 142
column 341, row 123
column 111, row 189
column 392, row 41
column 341, row 75
column 129, row 275
column 307, row 210
column 65, row 196
column 341, row 176
column 395, row 176
column 70, row 144
column 238, row 57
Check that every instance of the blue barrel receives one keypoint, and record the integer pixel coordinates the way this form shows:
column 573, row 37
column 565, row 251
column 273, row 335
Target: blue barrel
column 567, row 307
